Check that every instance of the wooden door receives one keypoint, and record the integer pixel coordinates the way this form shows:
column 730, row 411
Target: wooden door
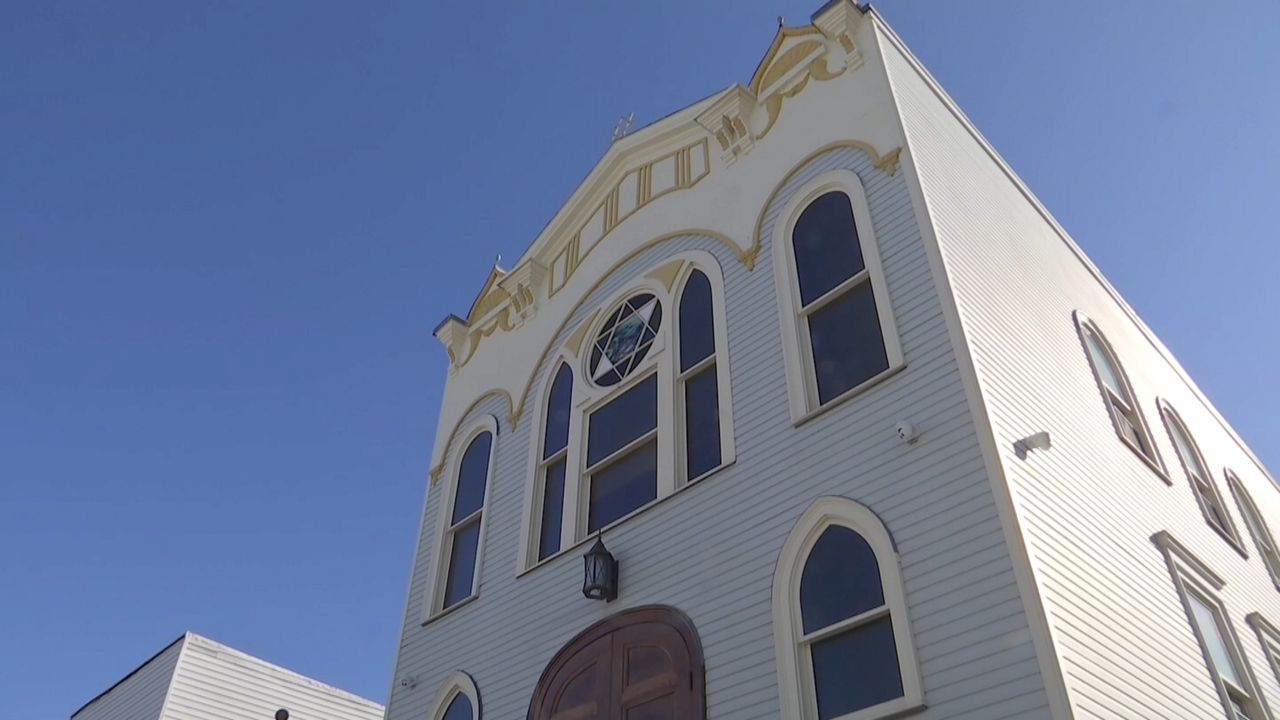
column 641, row 664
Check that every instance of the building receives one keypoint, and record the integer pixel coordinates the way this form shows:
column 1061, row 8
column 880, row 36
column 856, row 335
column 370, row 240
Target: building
column 195, row 678
column 867, row 433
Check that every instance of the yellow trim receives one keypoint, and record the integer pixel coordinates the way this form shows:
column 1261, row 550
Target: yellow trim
column 786, row 62
column 783, row 34
column 465, row 419
column 888, row 160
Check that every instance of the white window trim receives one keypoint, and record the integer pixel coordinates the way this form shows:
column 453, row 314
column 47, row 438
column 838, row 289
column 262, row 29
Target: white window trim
column 1191, row 576
column 587, row 398
column 1269, row 638
column 1173, row 423
column 795, row 683
column 724, row 394
column 1263, row 538
column 802, row 387
column 1086, row 326
column 458, row 683
column 433, row 607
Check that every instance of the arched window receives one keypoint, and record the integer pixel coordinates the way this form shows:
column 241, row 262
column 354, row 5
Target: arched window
column 844, row 645
column 1215, row 512
column 697, row 386
column 457, row 699
column 839, row 328
column 1253, row 520
column 640, row 413
column 1116, row 392
column 462, row 519
column 554, row 462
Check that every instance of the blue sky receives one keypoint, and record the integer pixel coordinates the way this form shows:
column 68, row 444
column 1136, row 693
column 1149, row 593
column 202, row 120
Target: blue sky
column 227, row 230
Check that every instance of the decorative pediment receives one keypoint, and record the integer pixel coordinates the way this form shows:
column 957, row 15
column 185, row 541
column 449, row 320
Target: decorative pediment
column 822, row 51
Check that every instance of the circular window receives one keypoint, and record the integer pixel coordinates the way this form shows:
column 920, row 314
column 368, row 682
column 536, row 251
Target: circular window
column 624, row 339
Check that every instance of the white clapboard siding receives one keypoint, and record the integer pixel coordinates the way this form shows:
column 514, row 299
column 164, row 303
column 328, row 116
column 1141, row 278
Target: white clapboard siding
column 215, row 682
column 140, row 694
column 710, row 550
column 1088, row 506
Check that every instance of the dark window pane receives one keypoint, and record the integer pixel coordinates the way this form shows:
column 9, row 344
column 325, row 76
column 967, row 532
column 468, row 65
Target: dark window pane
column 625, row 485
column 625, row 339
column 697, row 328
column 552, row 509
column 459, row 709
column 462, row 562
column 702, row 423
column 473, row 471
column 627, row 417
column 856, row 669
column 848, row 348
column 841, row 579
column 556, row 435
column 826, row 245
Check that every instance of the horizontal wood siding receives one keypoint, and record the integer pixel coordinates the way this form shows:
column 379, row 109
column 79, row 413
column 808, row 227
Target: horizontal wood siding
column 1089, row 505
column 138, row 696
column 215, row 682
column 710, row 550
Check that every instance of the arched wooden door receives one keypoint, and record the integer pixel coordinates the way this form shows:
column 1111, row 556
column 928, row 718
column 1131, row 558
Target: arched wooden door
column 641, row 664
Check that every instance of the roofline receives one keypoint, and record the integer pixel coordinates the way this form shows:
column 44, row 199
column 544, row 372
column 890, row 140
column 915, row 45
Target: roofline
column 132, row 672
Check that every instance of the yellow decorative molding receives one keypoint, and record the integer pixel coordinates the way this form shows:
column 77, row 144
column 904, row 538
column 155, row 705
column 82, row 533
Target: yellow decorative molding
column 490, row 296
column 887, row 163
column 667, row 274
column 575, row 340
column 438, row 470
column 785, row 62
column 770, row 55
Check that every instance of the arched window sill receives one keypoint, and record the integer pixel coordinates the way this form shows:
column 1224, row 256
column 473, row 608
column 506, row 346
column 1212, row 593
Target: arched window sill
column 625, row 518
column 451, row 609
column 849, row 394
column 1148, row 461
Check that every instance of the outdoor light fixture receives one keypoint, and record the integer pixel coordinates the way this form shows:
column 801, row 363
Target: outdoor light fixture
column 600, row 580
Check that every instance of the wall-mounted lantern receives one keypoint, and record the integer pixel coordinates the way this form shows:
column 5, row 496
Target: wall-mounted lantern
column 600, row 580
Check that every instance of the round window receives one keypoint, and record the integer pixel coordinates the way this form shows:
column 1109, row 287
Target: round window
column 624, row 339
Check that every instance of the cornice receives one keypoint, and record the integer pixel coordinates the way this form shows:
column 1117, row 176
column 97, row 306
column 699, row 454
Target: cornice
column 669, row 156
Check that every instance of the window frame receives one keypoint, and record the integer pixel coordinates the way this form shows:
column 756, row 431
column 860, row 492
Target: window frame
column 434, row 607
column 1175, row 425
column 665, row 279
column 1268, row 638
column 719, row 358
column 457, row 683
column 1086, row 327
column 1263, row 538
column 797, row 694
column 802, row 382
column 1191, row 576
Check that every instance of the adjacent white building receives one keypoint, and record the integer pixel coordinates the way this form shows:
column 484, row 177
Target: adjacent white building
column 195, row 678
column 867, row 433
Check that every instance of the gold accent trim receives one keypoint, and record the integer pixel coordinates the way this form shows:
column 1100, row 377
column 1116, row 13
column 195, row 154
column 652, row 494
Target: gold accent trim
column 486, row 301
column 783, row 34
column 575, row 340
column 785, row 63
column 436, row 471
column 667, row 274
column 887, row 163
column 846, row 42
column 717, row 236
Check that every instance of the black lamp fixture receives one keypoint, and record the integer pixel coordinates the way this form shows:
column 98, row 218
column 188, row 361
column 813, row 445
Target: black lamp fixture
column 600, row 581
column 282, row 714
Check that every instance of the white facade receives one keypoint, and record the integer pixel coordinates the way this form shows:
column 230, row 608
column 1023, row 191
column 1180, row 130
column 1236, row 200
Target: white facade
column 1100, row 574
column 195, row 678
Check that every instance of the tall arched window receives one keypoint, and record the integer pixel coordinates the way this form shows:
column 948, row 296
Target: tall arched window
column 458, row 699
column 638, row 408
column 462, row 518
column 1116, row 392
column 836, row 316
column 696, row 382
column 1202, row 485
column 844, row 645
column 1258, row 528
column 554, row 462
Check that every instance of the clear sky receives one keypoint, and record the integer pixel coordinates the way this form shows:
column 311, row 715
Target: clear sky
column 227, row 230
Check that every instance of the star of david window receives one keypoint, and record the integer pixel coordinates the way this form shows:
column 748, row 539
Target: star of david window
column 625, row 339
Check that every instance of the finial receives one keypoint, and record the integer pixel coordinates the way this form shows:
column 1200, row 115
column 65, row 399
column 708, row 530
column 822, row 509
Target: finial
column 623, row 127
column 780, row 22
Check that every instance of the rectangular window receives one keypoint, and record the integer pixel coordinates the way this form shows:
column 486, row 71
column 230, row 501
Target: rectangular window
column 1269, row 637
column 622, row 454
column 552, row 508
column 702, row 422
column 1224, row 659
